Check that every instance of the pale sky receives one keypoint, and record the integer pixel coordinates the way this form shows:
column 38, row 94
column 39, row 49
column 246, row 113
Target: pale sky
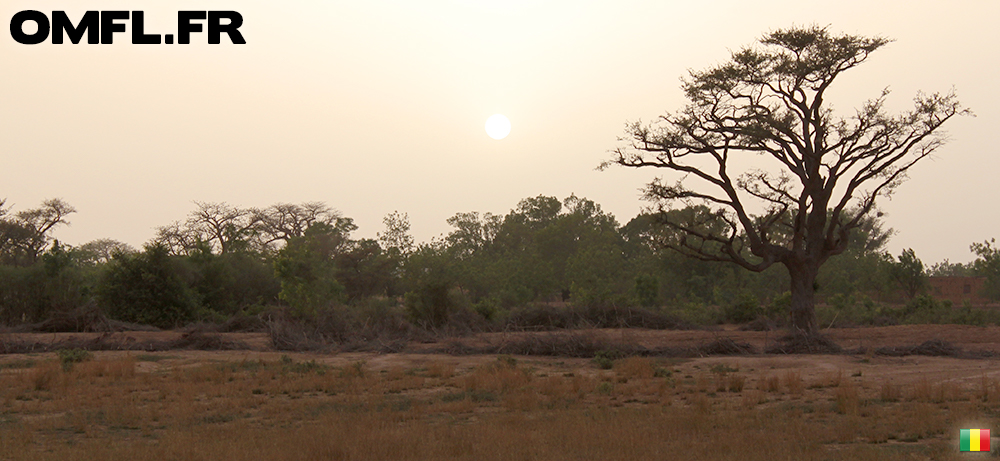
column 375, row 106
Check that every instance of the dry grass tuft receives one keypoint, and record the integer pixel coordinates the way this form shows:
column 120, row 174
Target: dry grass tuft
column 635, row 368
column 890, row 392
column 735, row 383
column 751, row 399
column 846, row 399
column 792, row 380
column 498, row 377
column 988, row 390
column 925, row 391
column 443, row 370
column 769, row 383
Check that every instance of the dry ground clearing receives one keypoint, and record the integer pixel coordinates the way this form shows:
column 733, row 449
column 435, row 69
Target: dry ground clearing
column 419, row 405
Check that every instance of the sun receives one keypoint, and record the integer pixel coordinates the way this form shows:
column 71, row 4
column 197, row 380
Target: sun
column 497, row 126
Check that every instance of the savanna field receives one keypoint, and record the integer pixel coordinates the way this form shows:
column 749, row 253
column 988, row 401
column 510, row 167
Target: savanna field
column 265, row 404
column 741, row 303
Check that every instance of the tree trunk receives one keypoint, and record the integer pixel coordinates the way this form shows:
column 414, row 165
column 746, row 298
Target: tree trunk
column 803, row 310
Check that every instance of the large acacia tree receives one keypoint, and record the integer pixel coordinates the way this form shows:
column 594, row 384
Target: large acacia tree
column 818, row 175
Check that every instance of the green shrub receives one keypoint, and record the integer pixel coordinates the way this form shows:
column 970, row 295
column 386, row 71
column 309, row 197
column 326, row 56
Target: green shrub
column 428, row 304
column 779, row 306
column 489, row 307
column 68, row 357
column 647, row 290
column 605, row 359
column 694, row 313
column 149, row 288
column 745, row 309
column 924, row 309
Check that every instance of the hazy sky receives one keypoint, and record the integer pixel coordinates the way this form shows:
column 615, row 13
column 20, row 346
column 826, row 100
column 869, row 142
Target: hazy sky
column 375, row 106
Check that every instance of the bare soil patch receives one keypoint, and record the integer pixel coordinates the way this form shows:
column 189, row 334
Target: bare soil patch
column 901, row 340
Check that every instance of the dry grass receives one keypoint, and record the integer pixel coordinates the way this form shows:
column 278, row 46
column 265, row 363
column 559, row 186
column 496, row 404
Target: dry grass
column 441, row 370
column 792, row 380
column 928, row 391
column 635, row 367
column 890, row 392
column 110, row 408
column 846, row 399
column 769, row 384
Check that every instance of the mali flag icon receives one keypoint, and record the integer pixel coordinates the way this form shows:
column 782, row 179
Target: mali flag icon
column 974, row 440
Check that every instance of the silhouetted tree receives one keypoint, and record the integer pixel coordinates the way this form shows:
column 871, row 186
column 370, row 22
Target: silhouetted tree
column 825, row 172
column 25, row 235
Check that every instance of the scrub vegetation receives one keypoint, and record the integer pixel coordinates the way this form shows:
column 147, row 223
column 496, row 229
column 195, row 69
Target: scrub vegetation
column 295, row 271
column 514, row 336
column 421, row 407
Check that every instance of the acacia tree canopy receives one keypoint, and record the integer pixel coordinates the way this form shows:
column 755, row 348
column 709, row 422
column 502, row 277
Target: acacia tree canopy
column 824, row 172
column 25, row 235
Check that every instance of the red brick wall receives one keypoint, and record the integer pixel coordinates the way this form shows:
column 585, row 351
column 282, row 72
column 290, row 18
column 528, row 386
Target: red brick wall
column 958, row 289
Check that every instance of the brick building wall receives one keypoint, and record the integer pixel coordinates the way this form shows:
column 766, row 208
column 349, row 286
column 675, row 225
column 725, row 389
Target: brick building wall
column 958, row 289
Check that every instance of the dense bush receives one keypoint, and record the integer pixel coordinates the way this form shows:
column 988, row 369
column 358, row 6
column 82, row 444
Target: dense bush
column 745, row 309
column 229, row 284
column 547, row 264
column 55, row 285
column 149, row 287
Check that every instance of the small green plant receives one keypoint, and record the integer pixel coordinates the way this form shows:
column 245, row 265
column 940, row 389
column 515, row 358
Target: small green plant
column 18, row 364
column 722, row 369
column 68, row 357
column 605, row 388
column 605, row 359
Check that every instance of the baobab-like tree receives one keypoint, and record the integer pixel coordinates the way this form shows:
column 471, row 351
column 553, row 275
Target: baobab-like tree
column 818, row 176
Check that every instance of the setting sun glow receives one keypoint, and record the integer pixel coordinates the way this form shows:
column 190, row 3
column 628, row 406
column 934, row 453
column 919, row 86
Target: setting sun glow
column 497, row 126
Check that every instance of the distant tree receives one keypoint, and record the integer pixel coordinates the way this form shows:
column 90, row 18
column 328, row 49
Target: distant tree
column 947, row 268
column 282, row 222
column 226, row 228
column 544, row 249
column 472, row 232
column 100, row 251
column 56, row 284
column 396, row 240
column 307, row 270
column 149, row 288
column 365, row 270
column 176, row 238
column 826, row 172
column 988, row 265
column 229, row 283
column 909, row 274
column 223, row 227
column 25, row 235
column 429, row 276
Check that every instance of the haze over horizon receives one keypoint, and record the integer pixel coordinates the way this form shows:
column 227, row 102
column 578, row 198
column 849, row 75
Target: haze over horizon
column 379, row 106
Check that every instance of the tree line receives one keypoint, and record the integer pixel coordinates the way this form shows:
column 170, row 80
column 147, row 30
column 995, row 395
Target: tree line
column 546, row 263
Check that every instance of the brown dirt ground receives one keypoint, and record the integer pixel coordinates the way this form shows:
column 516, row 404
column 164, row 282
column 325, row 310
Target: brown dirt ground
column 969, row 338
column 899, row 370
